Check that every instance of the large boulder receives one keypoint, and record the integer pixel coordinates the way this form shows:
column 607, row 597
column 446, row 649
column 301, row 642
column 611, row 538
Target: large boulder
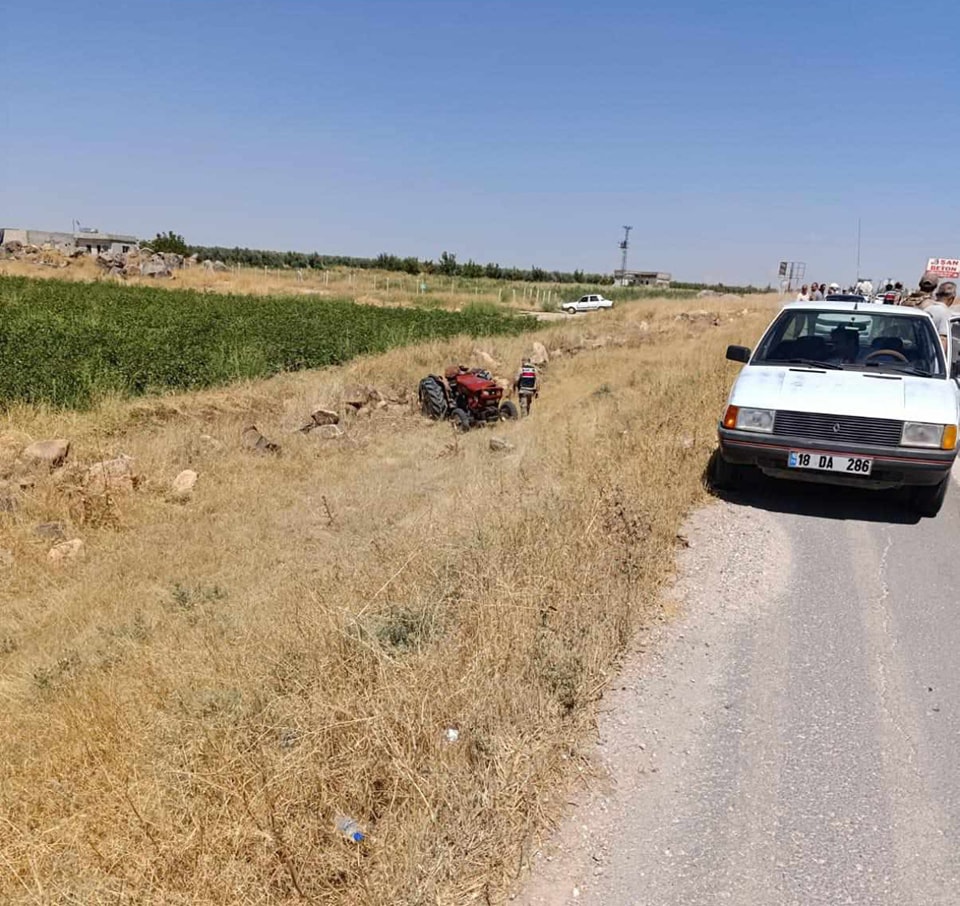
column 66, row 550
column 110, row 260
column 52, row 453
column 538, row 353
column 220, row 267
column 155, row 266
column 183, row 485
column 111, row 475
column 488, row 360
column 321, row 416
column 253, row 440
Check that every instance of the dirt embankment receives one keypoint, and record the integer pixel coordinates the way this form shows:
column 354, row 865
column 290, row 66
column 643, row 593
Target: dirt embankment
column 397, row 623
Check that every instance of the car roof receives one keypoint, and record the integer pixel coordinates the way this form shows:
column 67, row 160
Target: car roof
column 865, row 307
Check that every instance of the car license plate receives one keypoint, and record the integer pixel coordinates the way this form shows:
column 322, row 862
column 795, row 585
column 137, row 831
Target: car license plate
column 829, row 462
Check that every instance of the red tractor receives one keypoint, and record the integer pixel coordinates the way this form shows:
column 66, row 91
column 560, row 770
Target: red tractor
column 469, row 397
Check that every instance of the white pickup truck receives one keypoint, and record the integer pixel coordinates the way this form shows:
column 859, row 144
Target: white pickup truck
column 590, row 302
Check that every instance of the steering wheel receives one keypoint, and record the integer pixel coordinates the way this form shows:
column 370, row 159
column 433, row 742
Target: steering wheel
column 893, row 352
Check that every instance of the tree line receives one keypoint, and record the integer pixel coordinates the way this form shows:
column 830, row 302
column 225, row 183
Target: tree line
column 446, row 265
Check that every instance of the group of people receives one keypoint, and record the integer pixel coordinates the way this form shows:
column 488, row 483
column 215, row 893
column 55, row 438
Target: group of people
column 935, row 298
column 816, row 292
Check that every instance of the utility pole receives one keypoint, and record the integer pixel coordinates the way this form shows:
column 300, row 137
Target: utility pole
column 624, row 245
column 858, row 250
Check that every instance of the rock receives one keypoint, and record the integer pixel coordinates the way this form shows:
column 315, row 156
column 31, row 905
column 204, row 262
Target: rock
column 66, row 550
column 538, row 353
column 111, row 475
column 208, row 265
column 52, row 530
column 487, row 359
column 700, row 315
column 155, row 266
column 111, row 261
column 643, row 327
column 220, row 267
column 255, row 441
column 182, row 486
column 358, row 396
column 172, row 260
column 595, row 342
column 50, row 453
column 499, row 445
column 324, row 417
column 329, row 432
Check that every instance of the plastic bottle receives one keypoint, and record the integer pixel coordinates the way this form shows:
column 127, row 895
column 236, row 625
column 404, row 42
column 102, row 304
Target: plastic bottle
column 350, row 828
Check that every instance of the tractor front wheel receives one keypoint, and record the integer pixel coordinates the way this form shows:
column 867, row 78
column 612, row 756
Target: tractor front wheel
column 461, row 420
column 508, row 410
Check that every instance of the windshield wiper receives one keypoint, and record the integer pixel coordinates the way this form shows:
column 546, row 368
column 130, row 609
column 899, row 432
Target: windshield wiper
column 813, row 363
column 910, row 369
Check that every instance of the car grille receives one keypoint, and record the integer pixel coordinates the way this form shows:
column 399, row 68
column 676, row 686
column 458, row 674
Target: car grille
column 881, row 432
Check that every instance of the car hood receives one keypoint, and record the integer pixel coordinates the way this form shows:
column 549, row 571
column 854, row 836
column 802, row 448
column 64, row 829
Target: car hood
column 797, row 389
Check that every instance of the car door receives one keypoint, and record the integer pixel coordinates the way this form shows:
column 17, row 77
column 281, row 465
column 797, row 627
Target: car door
column 592, row 303
column 953, row 350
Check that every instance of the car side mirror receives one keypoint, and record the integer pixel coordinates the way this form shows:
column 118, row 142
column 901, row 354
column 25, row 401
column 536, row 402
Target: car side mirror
column 738, row 353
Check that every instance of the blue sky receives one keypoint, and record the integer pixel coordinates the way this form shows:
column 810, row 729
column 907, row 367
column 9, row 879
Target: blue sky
column 729, row 135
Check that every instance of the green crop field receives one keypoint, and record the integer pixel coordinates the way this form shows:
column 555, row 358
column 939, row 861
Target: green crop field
column 70, row 344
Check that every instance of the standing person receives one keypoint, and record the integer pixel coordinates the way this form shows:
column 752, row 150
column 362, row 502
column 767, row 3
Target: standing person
column 804, row 294
column 815, row 294
column 924, row 295
column 527, row 384
column 939, row 309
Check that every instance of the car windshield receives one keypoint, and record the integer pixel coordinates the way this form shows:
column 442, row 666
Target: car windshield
column 854, row 341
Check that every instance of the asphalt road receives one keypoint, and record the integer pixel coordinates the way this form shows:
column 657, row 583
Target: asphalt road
column 794, row 737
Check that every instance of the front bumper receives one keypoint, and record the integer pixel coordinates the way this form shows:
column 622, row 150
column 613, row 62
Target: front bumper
column 893, row 467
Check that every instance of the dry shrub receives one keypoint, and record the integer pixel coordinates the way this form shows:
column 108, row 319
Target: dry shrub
column 189, row 708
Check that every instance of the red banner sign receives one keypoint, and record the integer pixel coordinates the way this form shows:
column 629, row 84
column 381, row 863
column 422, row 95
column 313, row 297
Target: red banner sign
column 944, row 267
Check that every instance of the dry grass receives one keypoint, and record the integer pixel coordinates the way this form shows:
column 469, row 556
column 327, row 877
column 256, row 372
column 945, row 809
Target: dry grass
column 187, row 708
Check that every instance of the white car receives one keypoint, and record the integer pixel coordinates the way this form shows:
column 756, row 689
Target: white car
column 590, row 302
column 845, row 393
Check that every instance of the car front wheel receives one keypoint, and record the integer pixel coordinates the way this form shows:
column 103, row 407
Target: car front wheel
column 724, row 476
column 928, row 499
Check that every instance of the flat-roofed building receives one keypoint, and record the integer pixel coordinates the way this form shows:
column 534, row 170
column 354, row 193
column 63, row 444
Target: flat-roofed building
column 641, row 278
column 92, row 241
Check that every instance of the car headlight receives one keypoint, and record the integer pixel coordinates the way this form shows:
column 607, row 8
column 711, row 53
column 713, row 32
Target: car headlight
column 755, row 420
column 923, row 434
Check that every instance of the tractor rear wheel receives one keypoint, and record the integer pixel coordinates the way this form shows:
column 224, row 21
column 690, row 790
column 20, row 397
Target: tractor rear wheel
column 461, row 420
column 433, row 401
column 508, row 410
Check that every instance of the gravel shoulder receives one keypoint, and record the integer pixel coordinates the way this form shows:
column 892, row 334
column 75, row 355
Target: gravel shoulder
column 790, row 737
column 671, row 688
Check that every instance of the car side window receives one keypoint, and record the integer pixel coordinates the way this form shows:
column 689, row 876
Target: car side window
column 955, row 336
